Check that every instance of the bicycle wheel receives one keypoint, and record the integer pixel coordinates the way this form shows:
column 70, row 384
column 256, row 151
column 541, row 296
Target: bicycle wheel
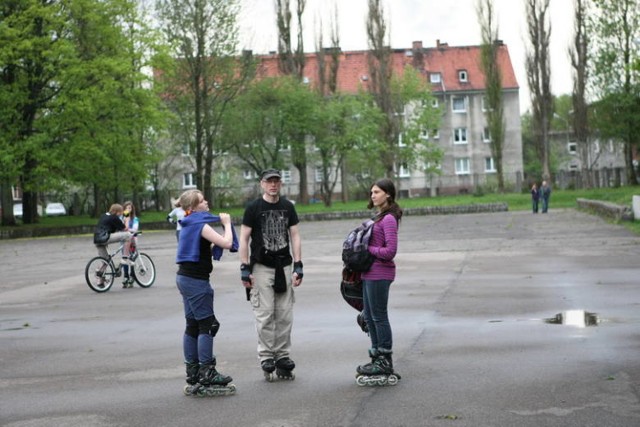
column 144, row 271
column 99, row 274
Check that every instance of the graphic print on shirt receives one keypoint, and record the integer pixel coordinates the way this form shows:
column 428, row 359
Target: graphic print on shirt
column 274, row 230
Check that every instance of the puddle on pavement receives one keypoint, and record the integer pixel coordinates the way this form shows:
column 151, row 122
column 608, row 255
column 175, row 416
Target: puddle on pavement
column 577, row 318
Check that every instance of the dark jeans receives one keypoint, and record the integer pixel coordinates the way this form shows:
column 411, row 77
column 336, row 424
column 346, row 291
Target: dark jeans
column 534, row 202
column 375, row 294
column 545, row 205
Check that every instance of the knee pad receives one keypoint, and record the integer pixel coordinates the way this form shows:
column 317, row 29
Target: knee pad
column 210, row 326
column 192, row 328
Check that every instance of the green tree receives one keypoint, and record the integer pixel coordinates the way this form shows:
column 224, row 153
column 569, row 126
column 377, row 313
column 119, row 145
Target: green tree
column 616, row 31
column 275, row 114
column 405, row 101
column 33, row 51
column 74, row 96
column 116, row 132
column 349, row 126
column 206, row 77
column 493, row 82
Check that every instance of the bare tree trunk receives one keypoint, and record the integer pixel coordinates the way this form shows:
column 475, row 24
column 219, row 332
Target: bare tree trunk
column 291, row 63
column 538, row 66
column 579, row 54
column 493, row 83
column 380, row 69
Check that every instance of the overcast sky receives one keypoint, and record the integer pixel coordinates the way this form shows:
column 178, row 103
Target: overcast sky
column 451, row 21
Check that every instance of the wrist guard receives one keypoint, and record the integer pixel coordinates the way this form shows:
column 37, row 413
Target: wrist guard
column 297, row 269
column 245, row 272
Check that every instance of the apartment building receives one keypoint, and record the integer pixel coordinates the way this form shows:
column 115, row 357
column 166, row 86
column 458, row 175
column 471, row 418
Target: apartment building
column 458, row 85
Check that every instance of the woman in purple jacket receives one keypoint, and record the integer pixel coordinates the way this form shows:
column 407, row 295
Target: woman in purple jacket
column 377, row 281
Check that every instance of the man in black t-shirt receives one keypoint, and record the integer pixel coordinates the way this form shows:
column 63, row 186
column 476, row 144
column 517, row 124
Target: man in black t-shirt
column 270, row 245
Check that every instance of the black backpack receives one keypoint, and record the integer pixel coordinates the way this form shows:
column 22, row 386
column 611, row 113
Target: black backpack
column 355, row 255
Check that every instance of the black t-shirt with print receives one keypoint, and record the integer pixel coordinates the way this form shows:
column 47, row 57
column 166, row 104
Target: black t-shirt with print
column 270, row 223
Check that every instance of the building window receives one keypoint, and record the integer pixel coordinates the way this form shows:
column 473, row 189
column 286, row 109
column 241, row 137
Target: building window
column 458, row 104
column 486, row 135
column 286, row 176
column 460, row 136
column 462, row 166
column 572, row 147
column 485, row 104
column 433, row 134
column 188, row 180
column 319, row 174
column 596, row 146
column 463, row 76
column 403, row 171
column 435, row 77
column 612, row 148
column 432, row 167
column 489, row 164
column 400, row 140
column 435, row 103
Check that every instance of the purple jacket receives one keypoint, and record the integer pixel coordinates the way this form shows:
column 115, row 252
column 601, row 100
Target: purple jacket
column 383, row 245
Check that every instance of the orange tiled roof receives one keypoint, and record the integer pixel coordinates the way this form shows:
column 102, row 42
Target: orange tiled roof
column 444, row 59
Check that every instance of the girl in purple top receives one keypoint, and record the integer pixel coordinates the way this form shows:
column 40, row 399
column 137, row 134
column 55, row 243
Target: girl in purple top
column 377, row 281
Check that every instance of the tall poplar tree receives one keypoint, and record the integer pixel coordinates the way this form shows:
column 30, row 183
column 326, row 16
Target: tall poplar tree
column 580, row 62
column 291, row 63
column 493, row 82
column 207, row 75
column 538, row 66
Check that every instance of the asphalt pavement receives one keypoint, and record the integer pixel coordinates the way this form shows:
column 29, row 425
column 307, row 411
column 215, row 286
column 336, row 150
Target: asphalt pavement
column 499, row 319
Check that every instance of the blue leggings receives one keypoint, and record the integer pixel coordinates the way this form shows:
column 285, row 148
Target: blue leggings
column 197, row 297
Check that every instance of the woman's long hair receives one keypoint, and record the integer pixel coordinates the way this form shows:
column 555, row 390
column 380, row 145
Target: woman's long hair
column 132, row 209
column 387, row 185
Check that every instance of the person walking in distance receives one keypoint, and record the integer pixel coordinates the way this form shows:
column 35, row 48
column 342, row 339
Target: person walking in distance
column 376, row 283
column 535, row 197
column 198, row 243
column 268, row 238
column 175, row 216
column 545, row 194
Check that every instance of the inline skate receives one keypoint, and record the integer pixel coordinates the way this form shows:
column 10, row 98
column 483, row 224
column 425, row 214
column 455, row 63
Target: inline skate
column 284, row 369
column 268, row 367
column 379, row 372
column 207, row 381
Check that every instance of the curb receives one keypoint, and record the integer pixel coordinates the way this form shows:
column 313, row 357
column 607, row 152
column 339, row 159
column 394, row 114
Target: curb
column 21, row 233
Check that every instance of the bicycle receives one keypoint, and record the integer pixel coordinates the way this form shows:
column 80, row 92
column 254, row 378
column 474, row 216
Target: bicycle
column 101, row 272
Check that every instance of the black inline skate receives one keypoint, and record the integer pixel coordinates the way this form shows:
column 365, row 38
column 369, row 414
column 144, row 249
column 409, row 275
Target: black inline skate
column 377, row 373
column 208, row 381
column 268, row 366
column 284, row 369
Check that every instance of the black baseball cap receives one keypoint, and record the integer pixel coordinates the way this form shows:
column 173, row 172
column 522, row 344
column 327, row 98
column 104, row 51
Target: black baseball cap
column 270, row 173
